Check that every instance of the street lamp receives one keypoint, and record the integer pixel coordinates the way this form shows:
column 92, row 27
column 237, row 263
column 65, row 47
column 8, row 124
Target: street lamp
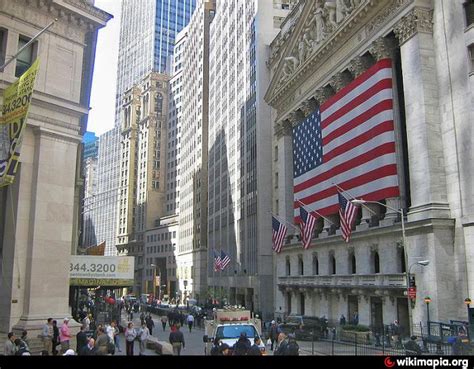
column 154, row 279
column 405, row 254
column 427, row 302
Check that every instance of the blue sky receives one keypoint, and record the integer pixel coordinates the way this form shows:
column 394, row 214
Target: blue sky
column 101, row 116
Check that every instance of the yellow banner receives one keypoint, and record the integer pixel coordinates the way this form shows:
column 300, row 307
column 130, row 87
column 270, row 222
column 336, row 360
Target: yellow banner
column 16, row 102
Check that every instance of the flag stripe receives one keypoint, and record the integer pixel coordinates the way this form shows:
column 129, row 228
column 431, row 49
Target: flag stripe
column 279, row 234
column 349, row 141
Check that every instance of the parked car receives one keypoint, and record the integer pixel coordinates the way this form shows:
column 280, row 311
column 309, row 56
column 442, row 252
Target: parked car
column 304, row 327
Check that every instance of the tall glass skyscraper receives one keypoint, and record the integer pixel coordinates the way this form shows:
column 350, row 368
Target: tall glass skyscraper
column 147, row 36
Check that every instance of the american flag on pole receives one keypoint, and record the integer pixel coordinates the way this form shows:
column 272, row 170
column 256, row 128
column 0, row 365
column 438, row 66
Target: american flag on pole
column 217, row 261
column 349, row 140
column 347, row 214
column 225, row 260
column 307, row 224
column 279, row 234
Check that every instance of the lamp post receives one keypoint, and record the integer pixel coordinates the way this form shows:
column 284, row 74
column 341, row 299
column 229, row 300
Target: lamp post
column 427, row 302
column 154, row 279
column 405, row 254
column 468, row 301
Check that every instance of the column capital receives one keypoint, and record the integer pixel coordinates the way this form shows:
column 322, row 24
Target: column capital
column 417, row 20
column 358, row 66
column 308, row 106
column 283, row 128
column 295, row 117
column 323, row 94
column 380, row 49
column 338, row 81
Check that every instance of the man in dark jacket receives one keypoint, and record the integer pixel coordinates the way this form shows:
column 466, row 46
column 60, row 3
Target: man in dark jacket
column 242, row 346
column 81, row 339
column 255, row 349
column 274, row 332
column 282, row 345
column 89, row 349
column 177, row 340
column 293, row 349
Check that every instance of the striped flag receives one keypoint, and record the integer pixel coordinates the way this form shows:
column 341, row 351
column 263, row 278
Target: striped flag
column 225, row 260
column 347, row 214
column 217, row 261
column 348, row 140
column 279, row 234
column 307, row 224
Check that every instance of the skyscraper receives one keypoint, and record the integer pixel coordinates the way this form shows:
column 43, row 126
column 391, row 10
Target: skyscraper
column 147, row 36
column 240, row 134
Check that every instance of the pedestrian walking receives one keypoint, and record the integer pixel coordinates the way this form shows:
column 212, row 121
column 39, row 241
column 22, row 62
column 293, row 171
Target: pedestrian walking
column 64, row 335
column 143, row 334
column 150, row 324
column 242, row 346
column 81, row 339
column 190, row 321
column 55, row 339
column 255, row 348
column 47, row 335
column 130, row 336
column 164, row 320
column 10, row 347
column 177, row 340
column 274, row 332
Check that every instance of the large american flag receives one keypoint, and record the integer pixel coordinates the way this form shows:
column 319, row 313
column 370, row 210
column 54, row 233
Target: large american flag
column 225, row 260
column 307, row 224
column 349, row 141
column 279, row 234
column 217, row 261
column 347, row 214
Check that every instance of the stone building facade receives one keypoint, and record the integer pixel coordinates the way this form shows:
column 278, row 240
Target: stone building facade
column 39, row 211
column 322, row 47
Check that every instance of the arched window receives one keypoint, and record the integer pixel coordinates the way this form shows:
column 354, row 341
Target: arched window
column 315, row 265
column 353, row 264
column 332, row 264
column 300, row 266
column 159, row 103
column 376, row 262
column 288, row 267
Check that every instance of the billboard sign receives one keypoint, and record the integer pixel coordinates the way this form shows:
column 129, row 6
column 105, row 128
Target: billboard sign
column 92, row 271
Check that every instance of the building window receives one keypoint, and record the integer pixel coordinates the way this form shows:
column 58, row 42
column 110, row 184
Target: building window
column 288, row 267
column 471, row 58
column 352, row 263
column 302, row 303
column 26, row 57
column 376, row 262
column 276, row 180
column 289, row 302
column 332, row 264
column 300, row 266
column 276, row 153
column 315, row 265
column 469, row 11
column 401, row 257
column 3, row 45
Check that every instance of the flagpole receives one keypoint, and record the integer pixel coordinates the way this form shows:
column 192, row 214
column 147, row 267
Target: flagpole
column 354, row 197
column 322, row 216
column 28, row 44
column 284, row 221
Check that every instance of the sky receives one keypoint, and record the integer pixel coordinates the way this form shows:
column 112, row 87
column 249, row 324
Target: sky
column 101, row 115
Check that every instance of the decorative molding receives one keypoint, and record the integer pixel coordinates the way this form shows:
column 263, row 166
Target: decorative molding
column 418, row 20
column 283, row 128
column 339, row 81
column 357, row 66
column 295, row 117
column 308, row 107
column 380, row 49
column 323, row 94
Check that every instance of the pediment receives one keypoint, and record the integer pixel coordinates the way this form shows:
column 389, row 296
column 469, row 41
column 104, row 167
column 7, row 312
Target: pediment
column 318, row 21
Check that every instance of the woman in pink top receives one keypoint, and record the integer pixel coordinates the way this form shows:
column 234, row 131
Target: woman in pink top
column 64, row 336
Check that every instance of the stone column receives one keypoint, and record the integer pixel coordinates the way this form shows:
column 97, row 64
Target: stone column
column 364, row 308
column 40, row 237
column 425, row 146
column 285, row 172
column 389, row 309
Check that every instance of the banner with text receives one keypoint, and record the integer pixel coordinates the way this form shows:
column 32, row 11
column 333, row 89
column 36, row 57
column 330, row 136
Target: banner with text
column 92, row 271
column 16, row 102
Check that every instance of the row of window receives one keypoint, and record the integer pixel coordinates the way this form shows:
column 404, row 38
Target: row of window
column 350, row 267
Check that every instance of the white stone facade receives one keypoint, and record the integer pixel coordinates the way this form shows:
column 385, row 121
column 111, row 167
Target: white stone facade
column 428, row 42
column 39, row 215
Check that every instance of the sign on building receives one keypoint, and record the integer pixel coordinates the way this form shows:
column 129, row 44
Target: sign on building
column 16, row 102
column 92, row 271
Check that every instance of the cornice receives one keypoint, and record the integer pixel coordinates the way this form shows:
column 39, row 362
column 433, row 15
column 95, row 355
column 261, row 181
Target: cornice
column 418, row 20
column 277, row 95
